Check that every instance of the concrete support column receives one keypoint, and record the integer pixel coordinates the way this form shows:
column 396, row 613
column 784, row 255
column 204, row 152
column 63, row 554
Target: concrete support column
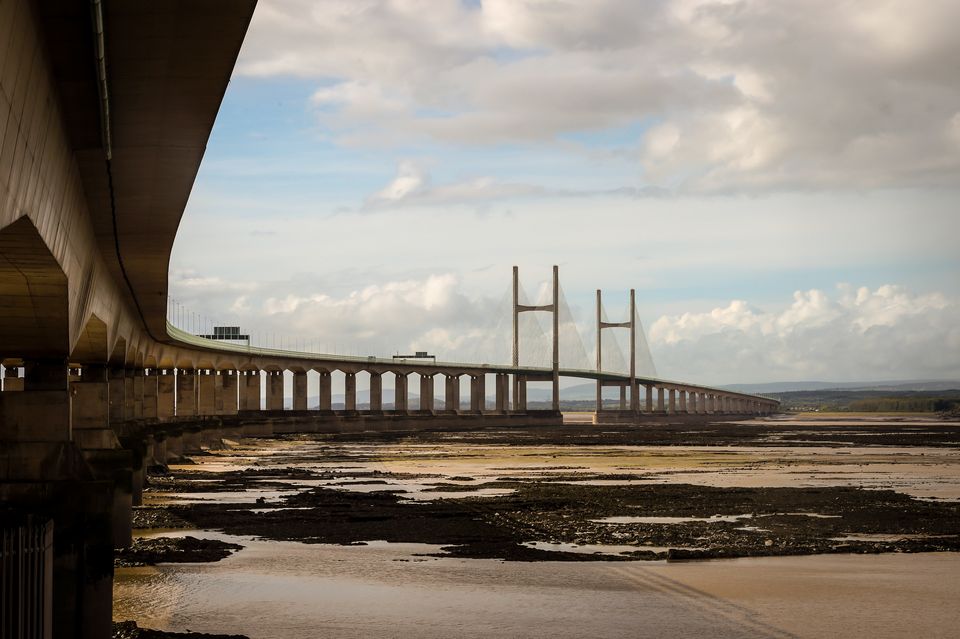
column 520, row 401
column 502, row 387
column 481, row 393
column 452, row 394
column 649, row 398
column 299, row 390
column 274, row 390
column 117, row 394
column 227, row 402
column 250, row 391
column 43, row 473
column 166, row 382
column 150, row 394
column 91, row 399
column 455, row 382
column 692, row 402
column 672, row 408
column 376, row 392
column 206, row 392
column 683, row 401
column 138, row 393
column 326, row 391
column 186, row 392
column 661, row 392
column 623, row 397
column 129, row 394
column 426, row 392
column 12, row 382
column 400, row 392
column 350, row 391
column 41, row 412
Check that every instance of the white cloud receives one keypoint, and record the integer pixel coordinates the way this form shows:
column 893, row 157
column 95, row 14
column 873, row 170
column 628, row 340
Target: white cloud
column 747, row 95
column 410, row 180
column 856, row 334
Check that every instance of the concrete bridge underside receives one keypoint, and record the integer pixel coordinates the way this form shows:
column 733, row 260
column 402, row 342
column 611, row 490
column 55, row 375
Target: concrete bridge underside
column 105, row 112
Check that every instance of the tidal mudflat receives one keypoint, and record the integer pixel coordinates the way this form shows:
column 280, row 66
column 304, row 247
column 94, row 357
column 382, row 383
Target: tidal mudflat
column 567, row 531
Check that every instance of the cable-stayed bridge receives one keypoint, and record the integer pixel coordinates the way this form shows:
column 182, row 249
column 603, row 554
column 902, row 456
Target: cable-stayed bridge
column 194, row 375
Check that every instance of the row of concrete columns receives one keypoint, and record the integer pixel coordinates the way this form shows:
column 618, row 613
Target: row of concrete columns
column 673, row 401
column 103, row 394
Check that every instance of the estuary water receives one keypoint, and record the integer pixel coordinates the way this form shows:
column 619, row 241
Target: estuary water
column 292, row 590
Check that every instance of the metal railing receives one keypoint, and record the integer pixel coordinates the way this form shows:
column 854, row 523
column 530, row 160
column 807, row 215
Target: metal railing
column 26, row 567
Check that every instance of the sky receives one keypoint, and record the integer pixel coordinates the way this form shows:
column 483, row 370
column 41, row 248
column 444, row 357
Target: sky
column 779, row 181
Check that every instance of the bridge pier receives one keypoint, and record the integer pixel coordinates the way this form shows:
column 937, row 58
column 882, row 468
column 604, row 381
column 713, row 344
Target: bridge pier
column 376, row 392
column 400, row 394
column 502, row 388
column 299, row 390
column 350, row 391
column 116, row 394
column 482, row 393
column 150, row 394
column 12, row 382
column 326, row 391
column 426, row 393
column 520, row 399
column 452, row 392
column 227, row 399
column 186, row 393
column 46, row 476
column 250, row 390
column 206, row 381
column 129, row 394
column 275, row 390
column 166, row 403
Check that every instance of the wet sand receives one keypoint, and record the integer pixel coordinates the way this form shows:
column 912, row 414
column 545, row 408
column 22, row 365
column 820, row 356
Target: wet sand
column 453, row 503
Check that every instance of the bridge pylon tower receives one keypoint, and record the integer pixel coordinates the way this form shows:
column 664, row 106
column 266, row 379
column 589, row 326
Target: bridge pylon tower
column 632, row 325
column 519, row 385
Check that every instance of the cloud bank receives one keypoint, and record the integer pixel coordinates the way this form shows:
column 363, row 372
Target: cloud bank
column 724, row 95
column 855, row 334
column 889, row 332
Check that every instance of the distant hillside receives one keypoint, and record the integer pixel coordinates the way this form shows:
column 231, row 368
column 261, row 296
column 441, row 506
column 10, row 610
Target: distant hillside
column 854, row 400
column 894, row 385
